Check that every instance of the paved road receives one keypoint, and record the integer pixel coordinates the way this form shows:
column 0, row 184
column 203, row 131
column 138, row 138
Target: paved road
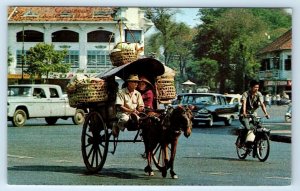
column 281, row 131
column 276, row 112
column 42, row 154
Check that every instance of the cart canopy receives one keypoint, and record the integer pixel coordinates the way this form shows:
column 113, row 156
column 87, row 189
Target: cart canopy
column 148, row 67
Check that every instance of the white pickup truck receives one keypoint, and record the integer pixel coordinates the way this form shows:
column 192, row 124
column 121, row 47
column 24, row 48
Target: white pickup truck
column 40, row 101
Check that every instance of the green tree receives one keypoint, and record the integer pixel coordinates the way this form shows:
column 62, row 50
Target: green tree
column 163, row 21
column 173, row 40
column 232, row 37
column 203, row 72
column 183, row 36
column 245, row 36
column 153, row 44
column 275, row 18
column 43, row 59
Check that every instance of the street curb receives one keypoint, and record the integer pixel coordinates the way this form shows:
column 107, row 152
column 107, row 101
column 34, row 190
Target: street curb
column 275, row 137
column 280, row 138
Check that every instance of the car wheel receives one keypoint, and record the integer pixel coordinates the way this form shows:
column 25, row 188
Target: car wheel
column 51, row 120
column 78, row 117
column 228, row 122
column 19, row 118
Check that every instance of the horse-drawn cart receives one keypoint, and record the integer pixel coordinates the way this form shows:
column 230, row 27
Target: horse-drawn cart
column 97, row 129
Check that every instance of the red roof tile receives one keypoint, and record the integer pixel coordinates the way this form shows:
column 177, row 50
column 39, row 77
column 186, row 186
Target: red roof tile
column 48, row 14
column 284, row 42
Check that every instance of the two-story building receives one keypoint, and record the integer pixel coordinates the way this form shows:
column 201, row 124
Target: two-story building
column 276, row 64
column 87, row 33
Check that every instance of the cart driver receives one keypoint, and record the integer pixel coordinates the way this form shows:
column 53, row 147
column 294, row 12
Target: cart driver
column 129, row 103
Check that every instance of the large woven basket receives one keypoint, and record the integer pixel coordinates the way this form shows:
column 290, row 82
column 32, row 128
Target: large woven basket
column 165, row 88
column 88, row 93
column 120, row 58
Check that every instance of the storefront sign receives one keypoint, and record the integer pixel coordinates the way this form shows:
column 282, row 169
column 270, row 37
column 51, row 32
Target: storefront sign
column 278, row 83
column 18, row 76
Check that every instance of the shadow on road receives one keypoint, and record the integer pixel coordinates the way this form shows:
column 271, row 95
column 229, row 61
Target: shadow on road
column 122, row 173
column 215, row 158
column 67, row 169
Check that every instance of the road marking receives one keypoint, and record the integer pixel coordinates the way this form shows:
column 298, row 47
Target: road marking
column 220, row 173
column 21, row 157
column 278, row 177
column 62, row 161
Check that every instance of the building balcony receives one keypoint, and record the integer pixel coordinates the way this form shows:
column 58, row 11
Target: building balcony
column 275, row 75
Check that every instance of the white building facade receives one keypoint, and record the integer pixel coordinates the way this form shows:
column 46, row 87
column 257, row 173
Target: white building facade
column 276, row 65
column 87, row 33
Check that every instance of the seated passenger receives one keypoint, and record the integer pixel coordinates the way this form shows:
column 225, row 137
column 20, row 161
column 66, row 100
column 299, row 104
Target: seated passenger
column 146, row 90
column 129, row 103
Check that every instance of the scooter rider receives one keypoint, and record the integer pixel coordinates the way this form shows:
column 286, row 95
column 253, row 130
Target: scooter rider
column 251, row 100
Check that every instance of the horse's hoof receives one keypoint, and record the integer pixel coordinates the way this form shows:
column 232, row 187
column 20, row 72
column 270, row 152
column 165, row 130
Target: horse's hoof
column 164, row 173
column 173, row 175
column 149, row 173
column 147, row 169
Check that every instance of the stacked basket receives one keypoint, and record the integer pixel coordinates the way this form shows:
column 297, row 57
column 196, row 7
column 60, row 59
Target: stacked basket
column 166, row 90
column 123, row 53
column 84, row 92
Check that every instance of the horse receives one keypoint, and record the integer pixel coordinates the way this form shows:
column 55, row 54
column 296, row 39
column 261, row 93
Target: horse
column 164, row 129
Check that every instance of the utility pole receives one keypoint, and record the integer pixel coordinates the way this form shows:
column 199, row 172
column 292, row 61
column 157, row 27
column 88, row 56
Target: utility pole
column 23, row 57
column 244, row 66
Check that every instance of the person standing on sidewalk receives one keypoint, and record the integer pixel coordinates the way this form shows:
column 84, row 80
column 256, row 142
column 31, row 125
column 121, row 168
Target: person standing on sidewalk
column 267, row 100
column 251, row 100
column 278, row 98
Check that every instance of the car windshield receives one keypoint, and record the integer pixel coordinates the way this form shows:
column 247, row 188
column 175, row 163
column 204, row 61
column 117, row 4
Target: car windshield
column 228, row 99
column 18, row 91
column 198, row 99
column 231, row 100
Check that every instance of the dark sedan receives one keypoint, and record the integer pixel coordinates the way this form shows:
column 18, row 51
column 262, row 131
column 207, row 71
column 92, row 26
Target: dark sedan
column 209, row 107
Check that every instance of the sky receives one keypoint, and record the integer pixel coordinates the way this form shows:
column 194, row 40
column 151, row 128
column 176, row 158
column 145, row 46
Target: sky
column 188, row 16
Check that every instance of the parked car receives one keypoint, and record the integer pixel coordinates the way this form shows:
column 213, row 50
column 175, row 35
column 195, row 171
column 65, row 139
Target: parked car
column 209, row 108
column 234, row 99
column 40, row 101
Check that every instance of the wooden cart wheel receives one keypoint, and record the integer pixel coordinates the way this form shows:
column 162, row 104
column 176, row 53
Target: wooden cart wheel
column 159, row 158
column 94, row 142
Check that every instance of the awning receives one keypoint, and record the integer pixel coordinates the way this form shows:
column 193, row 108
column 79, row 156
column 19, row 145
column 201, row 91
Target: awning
column 188, row 83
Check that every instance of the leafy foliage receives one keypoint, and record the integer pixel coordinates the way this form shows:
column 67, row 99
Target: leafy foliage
column 172, row 43
column 233, row 36
column 220, row 52
column 162, row 19
column 203, row 72
column 43, row 59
